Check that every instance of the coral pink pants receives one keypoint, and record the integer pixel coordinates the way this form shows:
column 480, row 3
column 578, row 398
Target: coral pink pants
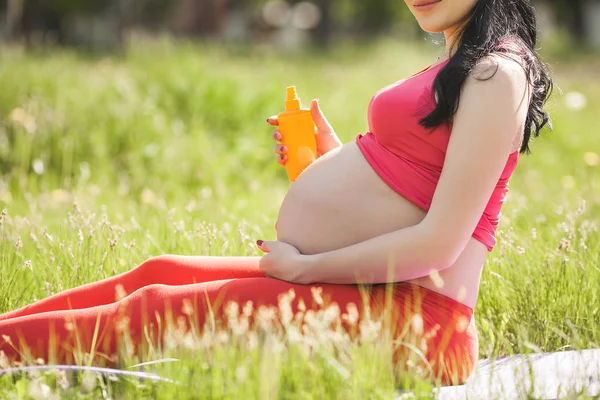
column 53, row 328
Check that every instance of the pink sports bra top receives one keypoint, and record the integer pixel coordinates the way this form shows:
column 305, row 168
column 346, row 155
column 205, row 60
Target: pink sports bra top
column 409, row 157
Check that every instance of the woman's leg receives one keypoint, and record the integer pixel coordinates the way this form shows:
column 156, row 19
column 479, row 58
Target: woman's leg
column 440, row 327
column 166, row 270
column 55, row 335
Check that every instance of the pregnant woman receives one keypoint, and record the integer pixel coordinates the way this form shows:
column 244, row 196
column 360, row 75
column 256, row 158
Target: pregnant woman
column 408, row 210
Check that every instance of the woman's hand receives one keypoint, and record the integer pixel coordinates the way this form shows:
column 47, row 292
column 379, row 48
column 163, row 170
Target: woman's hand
column 282, row 261
column 327, row 140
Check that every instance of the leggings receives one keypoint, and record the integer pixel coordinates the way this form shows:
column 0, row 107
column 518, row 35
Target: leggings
column 54, row 328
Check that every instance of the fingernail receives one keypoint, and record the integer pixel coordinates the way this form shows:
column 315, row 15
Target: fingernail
column 259, row 243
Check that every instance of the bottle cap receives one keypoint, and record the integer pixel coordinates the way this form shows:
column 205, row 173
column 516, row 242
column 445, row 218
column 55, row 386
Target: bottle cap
column 292, row 102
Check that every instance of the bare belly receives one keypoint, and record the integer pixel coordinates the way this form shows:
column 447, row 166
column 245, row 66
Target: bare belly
column 339, row 201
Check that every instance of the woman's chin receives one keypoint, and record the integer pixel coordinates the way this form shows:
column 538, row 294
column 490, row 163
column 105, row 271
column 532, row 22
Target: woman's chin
column 431, row 28
column 434, row 25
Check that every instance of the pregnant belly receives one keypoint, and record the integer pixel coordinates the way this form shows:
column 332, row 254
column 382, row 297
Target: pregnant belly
column 338, row 201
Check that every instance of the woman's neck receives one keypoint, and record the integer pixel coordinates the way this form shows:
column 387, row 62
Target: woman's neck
column 452, row 37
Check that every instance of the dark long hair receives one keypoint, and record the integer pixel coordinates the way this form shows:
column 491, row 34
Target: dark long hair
column 507, row 28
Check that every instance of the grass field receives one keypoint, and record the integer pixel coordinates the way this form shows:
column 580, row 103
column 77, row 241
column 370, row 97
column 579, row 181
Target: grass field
column 106, row 162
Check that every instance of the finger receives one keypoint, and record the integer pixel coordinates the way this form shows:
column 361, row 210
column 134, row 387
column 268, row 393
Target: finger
column 321, row 122
column 282, row 159
column 276, row 135
column 273, row 121
column 280, row 149
column 263, row 245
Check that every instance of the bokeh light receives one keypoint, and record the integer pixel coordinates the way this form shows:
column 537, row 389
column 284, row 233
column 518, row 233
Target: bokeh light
column 276, row 13
column 306, row 15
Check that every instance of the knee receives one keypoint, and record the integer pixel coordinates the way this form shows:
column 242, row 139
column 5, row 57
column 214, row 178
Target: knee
column 145, row 300
column 155, row 265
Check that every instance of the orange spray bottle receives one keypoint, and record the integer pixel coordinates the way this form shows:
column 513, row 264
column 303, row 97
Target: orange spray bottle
column 298, row 135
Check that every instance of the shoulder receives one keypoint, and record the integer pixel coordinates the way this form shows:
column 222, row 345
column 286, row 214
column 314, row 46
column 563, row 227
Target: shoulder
column 499, row 83
column 496, row 94
column 502, row 71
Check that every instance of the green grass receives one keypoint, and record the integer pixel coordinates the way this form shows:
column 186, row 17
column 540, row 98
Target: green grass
column 107, row 162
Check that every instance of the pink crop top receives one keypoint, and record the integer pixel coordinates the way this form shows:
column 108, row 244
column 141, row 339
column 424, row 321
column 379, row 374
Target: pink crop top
column 409, row 157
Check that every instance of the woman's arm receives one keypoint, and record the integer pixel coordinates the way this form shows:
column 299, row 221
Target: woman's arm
column 490, row 114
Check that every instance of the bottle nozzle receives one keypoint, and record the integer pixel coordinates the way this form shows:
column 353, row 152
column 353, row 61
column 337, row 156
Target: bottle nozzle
column 291, row 93
column 292, row 102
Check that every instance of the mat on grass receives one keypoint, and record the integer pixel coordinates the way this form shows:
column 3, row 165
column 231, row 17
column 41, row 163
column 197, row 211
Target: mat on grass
column 540, row 376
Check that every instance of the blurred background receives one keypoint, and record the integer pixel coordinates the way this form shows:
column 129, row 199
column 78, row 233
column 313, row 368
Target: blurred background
column 108, row 24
